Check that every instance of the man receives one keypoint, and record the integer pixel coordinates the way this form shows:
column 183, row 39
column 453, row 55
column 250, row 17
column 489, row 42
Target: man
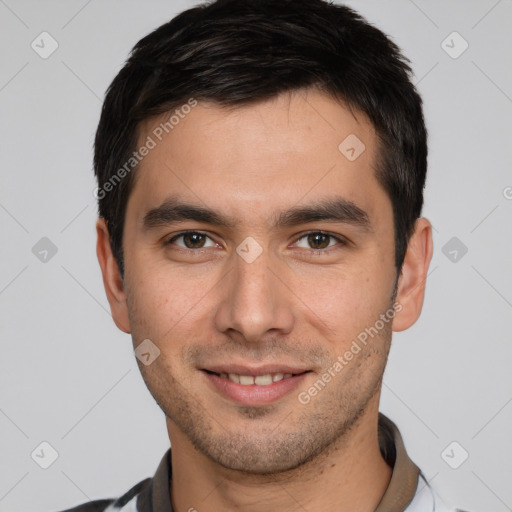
column 260, row 168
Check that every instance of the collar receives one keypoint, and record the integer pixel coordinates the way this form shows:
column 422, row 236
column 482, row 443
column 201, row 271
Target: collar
column 404, row 479
column 156, row 497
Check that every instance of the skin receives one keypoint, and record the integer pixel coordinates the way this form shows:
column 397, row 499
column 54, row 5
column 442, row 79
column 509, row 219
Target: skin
column 298, row 303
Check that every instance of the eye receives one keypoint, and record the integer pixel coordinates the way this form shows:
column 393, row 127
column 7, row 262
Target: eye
column 318, row 240
column 191, row 240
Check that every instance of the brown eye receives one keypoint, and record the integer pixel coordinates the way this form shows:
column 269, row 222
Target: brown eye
column 318, row 240
column 191, row 240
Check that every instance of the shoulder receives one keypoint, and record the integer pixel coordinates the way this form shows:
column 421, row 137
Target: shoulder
column 126, row 503
column 428, row 499
column 440, row 506
column 91, row 506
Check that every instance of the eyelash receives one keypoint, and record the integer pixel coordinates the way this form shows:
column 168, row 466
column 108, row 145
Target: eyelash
column 341, row 240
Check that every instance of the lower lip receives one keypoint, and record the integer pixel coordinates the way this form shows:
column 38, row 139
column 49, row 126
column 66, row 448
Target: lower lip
column 253, row 394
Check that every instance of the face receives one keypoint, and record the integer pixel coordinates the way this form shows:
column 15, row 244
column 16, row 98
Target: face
column 256, row 252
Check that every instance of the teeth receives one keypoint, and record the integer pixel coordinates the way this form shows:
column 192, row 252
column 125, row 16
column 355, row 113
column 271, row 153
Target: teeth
column 260, row 380
column 263, row 380
column 246, row 380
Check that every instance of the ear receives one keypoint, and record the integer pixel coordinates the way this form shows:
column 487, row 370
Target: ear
column 413, row 277
column 112, row 281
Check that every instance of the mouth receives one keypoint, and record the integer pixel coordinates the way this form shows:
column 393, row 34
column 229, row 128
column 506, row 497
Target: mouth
column 253, row 387
column 265, row 379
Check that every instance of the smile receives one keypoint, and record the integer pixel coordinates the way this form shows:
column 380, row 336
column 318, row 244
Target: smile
column 258, row 380
column 260, row 388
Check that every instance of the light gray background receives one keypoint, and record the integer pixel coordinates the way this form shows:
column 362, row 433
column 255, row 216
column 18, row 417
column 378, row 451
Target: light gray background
column 69, row 377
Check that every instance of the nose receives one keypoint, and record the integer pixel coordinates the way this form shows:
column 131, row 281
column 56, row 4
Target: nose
column 255, row 300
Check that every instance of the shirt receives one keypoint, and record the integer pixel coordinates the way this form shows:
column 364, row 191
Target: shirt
column 408, row 490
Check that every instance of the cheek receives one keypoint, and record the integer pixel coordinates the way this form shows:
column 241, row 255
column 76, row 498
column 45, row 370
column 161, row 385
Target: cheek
column 341, row 304
column 165, row 301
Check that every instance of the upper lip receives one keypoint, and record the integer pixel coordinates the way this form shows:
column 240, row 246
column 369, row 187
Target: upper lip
column 254, row 371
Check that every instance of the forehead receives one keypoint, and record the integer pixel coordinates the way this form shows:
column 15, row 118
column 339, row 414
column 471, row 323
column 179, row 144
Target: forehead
column 244, row 160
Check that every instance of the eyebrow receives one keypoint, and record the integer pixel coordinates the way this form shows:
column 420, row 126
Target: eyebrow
column 335, row 209
column 174, row 210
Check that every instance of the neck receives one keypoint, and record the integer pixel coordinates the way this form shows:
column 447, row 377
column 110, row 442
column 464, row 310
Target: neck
column 350, row 475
